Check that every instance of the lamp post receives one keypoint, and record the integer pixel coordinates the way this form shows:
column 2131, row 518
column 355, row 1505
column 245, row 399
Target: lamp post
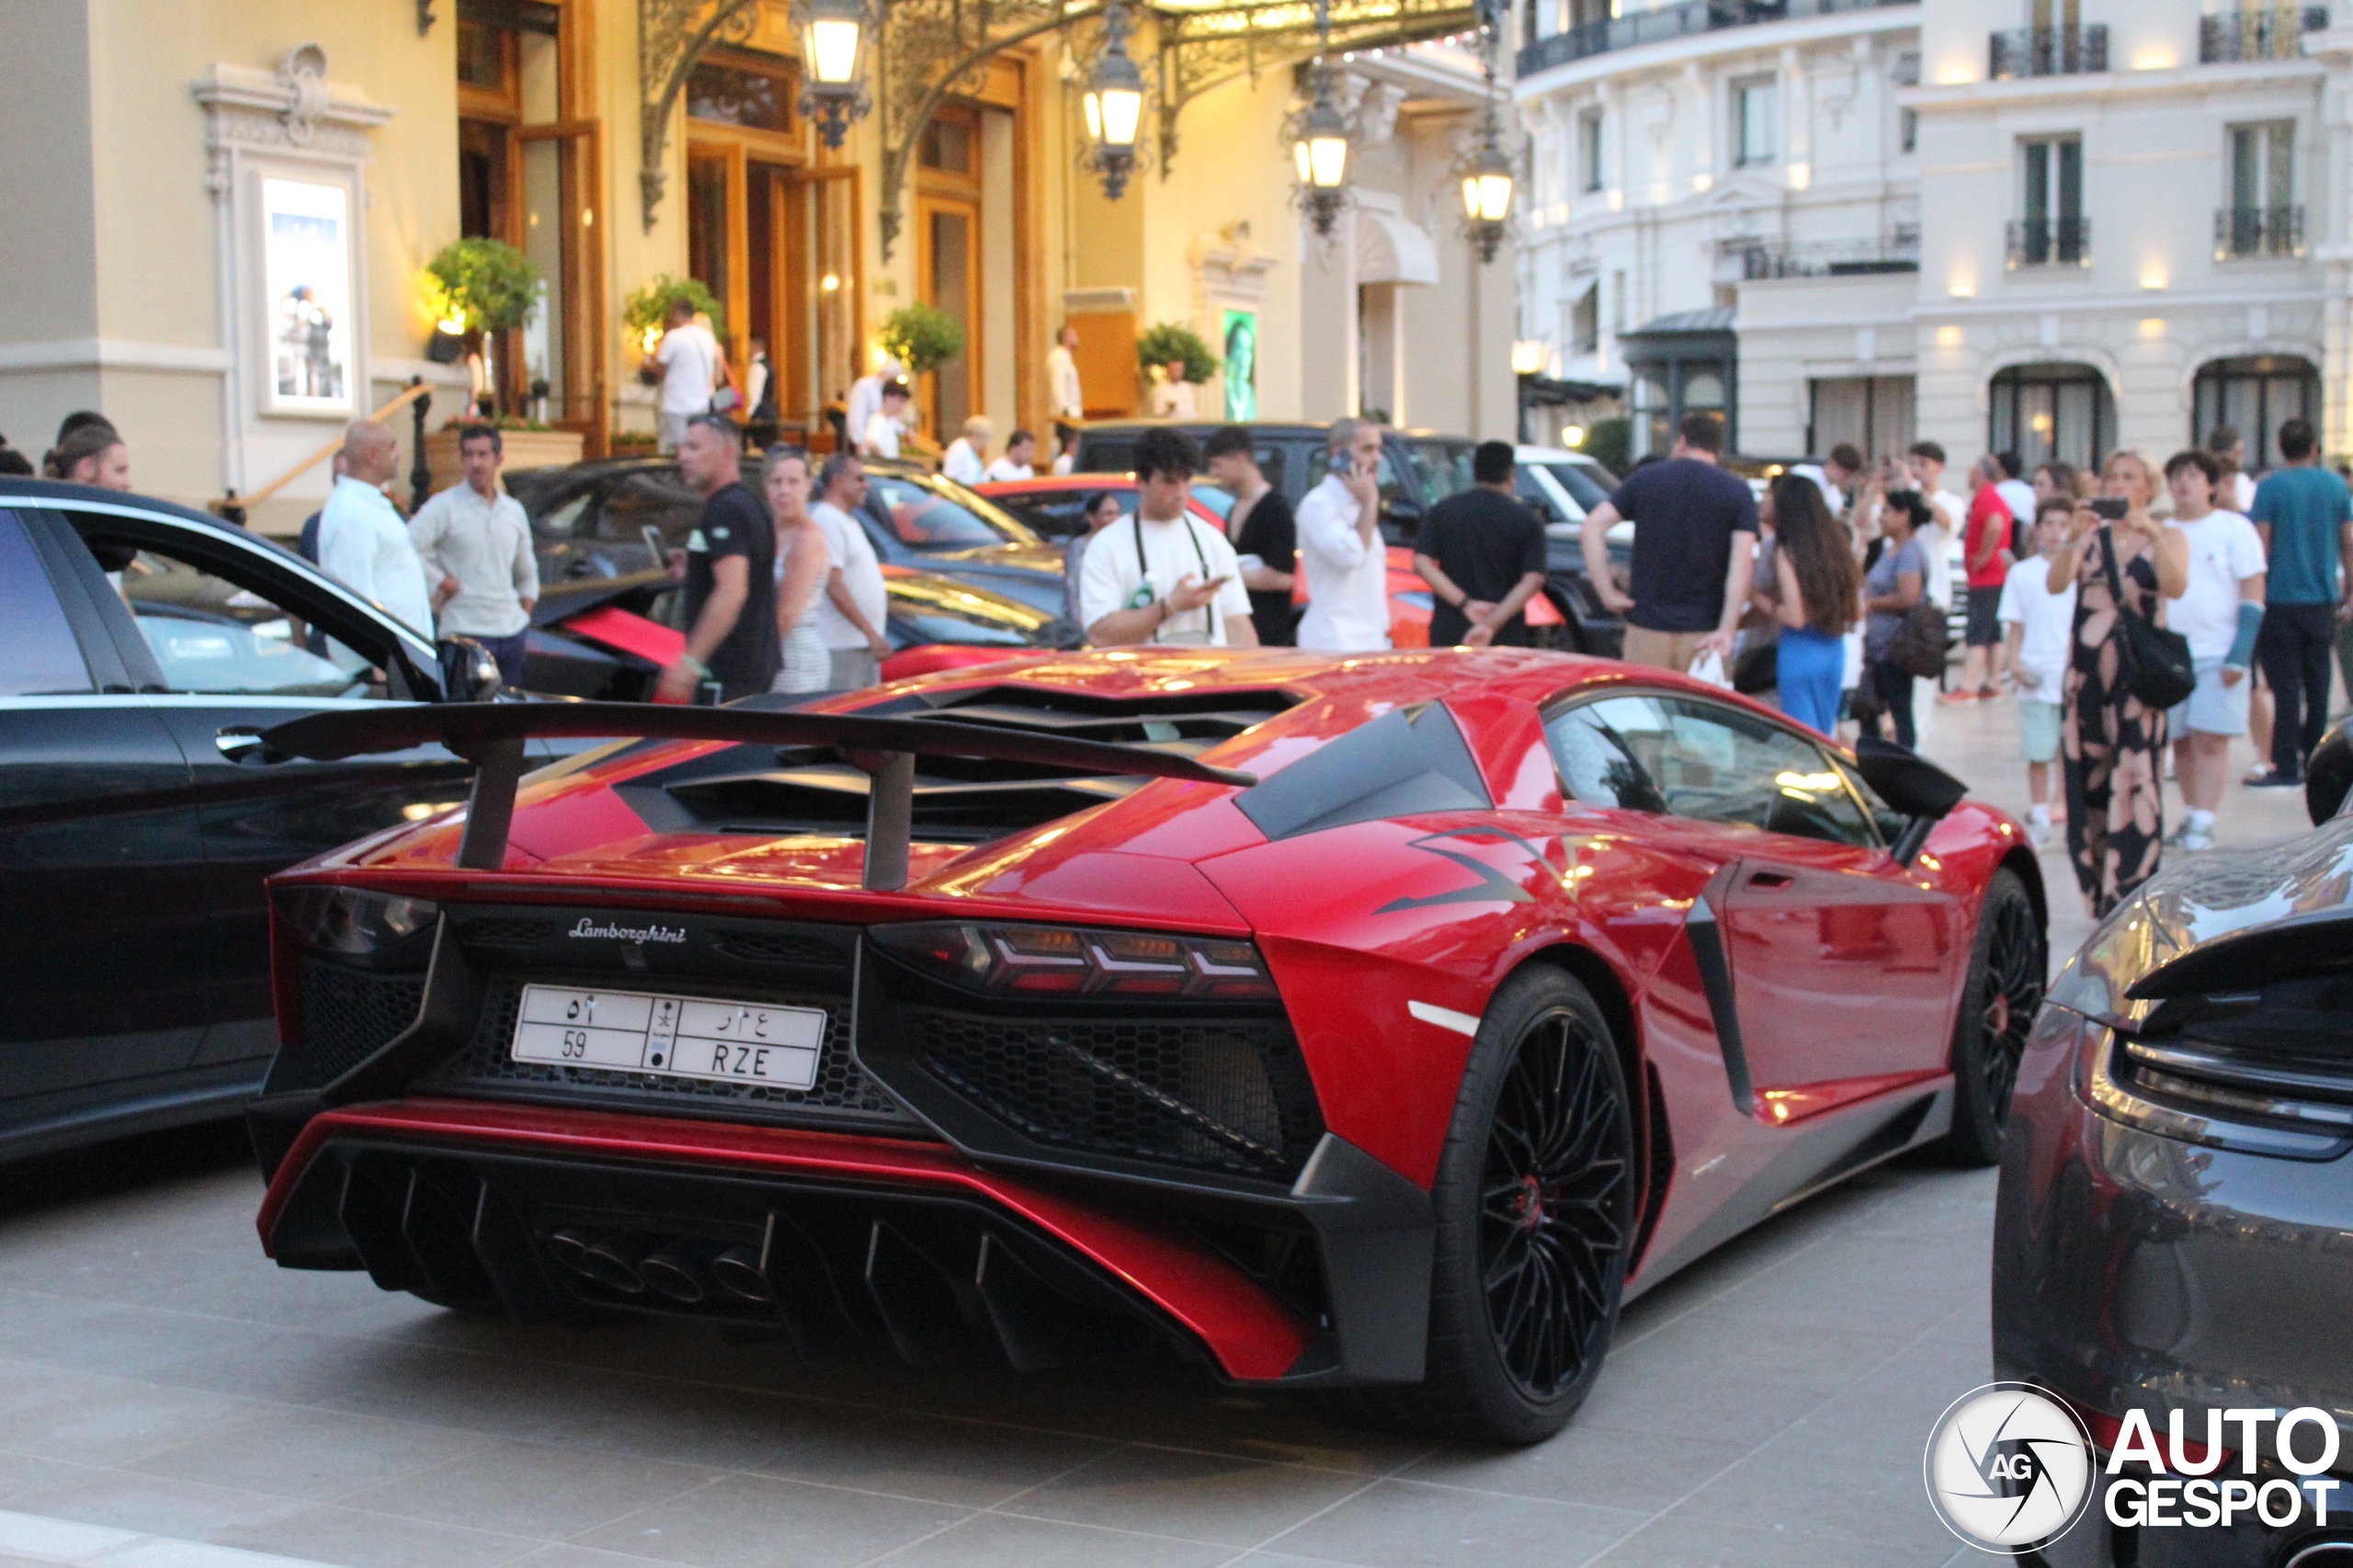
column 1320, row 140
column 1114, row 105
column 833, row 41
column 1486, row 175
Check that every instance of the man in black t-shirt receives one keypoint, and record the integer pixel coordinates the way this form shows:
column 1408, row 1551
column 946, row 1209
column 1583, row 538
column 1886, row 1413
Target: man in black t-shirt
column 1695, row 542
column 1482, row 554
column 1262, row 525
column 729, row 573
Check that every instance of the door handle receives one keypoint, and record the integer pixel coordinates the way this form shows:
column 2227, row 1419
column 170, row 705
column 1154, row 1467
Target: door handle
column 1769, row 881
column 246, row 748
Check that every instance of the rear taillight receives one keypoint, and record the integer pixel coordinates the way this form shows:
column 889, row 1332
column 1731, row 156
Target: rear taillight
column 351, row 922
column 1047, row 960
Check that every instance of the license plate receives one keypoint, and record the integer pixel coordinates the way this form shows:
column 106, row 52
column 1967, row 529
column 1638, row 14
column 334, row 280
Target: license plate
column 679, row 1037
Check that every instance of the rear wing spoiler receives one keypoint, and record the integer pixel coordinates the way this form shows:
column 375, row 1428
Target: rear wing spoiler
column 492, row 736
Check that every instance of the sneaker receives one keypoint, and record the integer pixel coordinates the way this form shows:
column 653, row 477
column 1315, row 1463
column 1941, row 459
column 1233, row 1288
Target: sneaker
column 2272, row 778
column 1956, row 698
column 2194, row 842
column 2038, row 834
column 2179, row 837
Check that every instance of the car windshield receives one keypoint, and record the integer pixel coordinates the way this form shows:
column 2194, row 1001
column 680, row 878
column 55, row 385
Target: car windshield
column 1060, row 514
column 1443, row 467
column 932, row 610
column 928, row 517
column 1583, row 483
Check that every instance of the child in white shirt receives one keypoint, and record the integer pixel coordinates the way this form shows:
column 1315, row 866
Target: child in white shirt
column 2038, row 631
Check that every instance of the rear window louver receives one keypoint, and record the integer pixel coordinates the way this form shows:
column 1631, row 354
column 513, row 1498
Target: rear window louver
column 785, row 791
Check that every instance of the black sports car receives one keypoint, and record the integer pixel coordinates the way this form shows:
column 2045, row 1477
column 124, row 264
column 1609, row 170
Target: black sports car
column 2171, row 1238
column 141, row 645
column 591, row 518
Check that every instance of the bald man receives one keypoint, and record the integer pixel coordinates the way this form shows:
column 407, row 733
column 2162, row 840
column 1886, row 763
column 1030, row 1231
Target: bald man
column 363, row 544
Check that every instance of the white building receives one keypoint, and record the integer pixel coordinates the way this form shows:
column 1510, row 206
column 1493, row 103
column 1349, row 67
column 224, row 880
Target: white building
column 2043, row 226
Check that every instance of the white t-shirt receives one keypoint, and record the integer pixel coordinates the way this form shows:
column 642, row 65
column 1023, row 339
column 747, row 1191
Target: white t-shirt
column 963, row 464
column 690, row 361
column 2019, row 496
column 2243, row 492
column 2224, row 548
column 2049, row 622
column 1114, row 576
column 880, row 437
column 849, row 551
column 1006, row 469
column 364, row 545
column 1347, row 580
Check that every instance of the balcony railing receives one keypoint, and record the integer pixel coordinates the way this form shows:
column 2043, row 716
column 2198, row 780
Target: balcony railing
column 2242, row 234
column 2274, row 32
column 2049, row 242
column 2047, row 52
column 1670, row 22
column 1831, row 258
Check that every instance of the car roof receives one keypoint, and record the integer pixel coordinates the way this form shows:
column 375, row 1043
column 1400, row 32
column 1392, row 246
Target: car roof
column 15, row 485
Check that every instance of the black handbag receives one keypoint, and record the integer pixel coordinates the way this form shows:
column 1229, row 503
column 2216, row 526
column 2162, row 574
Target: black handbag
column 2152, row 663
column 1921, row 642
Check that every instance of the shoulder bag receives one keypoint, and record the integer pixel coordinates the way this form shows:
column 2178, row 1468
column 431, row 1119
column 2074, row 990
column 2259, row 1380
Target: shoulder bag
column 2152, row 663
column 1922, row 640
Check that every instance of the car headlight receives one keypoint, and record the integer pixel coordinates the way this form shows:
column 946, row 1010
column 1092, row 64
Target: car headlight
column 1074, row 962
column 352, row 920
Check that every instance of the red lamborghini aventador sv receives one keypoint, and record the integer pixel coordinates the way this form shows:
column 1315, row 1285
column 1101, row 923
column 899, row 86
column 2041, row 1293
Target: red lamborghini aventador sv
column 1379, row 1022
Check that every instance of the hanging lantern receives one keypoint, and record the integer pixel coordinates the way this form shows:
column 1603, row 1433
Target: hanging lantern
column 1486, row 177
column 1319, row 150
column 1114, row 105
column 833, row 42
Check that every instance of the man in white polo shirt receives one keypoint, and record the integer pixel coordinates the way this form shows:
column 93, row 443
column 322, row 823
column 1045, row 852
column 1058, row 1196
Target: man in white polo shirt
column 1340, row 548
column 1163, row 577
column 363, row 544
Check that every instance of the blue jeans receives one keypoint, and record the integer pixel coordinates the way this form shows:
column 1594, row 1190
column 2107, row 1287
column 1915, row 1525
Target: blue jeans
column 1809, row 664
column 513, row 654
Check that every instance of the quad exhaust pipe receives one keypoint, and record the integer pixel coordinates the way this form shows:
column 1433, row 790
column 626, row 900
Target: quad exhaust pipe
column 684, row 1269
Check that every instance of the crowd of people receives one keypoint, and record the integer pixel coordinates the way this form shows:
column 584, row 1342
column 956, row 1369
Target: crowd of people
column 1852, row 582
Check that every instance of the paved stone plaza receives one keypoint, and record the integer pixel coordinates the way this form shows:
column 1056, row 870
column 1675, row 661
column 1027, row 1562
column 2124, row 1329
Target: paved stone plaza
column 161, row 1384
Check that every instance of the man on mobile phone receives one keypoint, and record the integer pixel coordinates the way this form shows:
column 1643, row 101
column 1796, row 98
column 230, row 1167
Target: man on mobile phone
column 1163, row 576
column 1340, row 548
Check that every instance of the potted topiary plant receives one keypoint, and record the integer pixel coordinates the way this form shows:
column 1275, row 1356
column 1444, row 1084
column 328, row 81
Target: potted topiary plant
column 488, row 286
column 922, row 337
column 1164, row 343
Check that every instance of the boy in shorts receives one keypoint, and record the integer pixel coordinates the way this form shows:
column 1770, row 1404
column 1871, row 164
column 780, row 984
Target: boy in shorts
column 2038, row 631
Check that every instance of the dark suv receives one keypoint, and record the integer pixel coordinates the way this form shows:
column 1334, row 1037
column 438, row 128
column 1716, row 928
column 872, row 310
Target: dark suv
column 1418, row 469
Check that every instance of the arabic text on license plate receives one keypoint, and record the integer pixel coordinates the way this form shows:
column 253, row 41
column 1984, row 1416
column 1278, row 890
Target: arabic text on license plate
column 683, row 1037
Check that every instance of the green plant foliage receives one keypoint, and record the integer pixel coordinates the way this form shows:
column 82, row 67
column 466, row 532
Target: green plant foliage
column 648, row 309
column 1610, row 443
column 922, row 337
column 1167, row 341
column 488, row 284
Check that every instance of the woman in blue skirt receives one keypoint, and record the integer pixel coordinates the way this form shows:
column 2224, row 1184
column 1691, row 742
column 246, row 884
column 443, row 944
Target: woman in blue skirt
column 1817, row 594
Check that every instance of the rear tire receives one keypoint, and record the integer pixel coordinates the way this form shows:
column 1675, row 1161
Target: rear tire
column 2006, row 972
column 1535, row 1210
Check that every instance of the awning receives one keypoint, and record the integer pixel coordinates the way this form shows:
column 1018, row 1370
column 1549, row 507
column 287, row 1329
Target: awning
column 1392, row 249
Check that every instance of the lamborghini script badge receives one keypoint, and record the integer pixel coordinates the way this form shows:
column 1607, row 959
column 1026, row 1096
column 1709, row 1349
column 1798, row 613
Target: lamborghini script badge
column 640, row 935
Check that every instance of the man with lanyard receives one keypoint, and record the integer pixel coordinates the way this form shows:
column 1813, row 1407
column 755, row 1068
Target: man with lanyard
column 1340, row 547
column 1164, row 578
column 475, row 543
column 729, row 564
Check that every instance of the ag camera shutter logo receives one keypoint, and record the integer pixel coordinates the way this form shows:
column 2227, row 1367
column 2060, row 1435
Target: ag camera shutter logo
column 2009, row 1468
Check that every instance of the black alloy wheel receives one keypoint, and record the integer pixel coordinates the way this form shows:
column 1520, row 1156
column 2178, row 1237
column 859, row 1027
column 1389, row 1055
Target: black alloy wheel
column 2007, row 973
column 1551, row 1236
column 1534, row 1203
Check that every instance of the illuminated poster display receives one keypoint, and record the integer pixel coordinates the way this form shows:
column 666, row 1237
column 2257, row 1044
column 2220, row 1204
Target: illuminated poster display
column 306, row 275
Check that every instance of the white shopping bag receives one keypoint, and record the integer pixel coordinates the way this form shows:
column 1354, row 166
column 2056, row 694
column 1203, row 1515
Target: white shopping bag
column 1710, row 667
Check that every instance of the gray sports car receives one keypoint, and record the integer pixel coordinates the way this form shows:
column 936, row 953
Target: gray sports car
column 2175, row 1228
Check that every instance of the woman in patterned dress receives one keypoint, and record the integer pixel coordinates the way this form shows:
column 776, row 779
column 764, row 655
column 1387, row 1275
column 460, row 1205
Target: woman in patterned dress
column 2112, row 743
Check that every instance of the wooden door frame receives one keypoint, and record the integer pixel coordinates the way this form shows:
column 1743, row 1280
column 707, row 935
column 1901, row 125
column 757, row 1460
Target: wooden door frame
column 928, row 203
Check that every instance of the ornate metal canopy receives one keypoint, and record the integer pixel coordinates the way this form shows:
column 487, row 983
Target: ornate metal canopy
column 929, row 50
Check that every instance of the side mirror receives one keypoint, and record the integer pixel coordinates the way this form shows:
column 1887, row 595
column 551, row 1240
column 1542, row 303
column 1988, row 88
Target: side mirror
column 468, row 671
column 1913, row 785
column 2328, row 773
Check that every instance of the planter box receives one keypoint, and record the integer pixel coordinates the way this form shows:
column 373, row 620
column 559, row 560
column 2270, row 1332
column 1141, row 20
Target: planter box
column 524, row 448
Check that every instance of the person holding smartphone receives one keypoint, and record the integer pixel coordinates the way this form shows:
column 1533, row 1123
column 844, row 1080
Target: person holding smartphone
column 2112, row 743
column 1163, row 575
column 1340, row 548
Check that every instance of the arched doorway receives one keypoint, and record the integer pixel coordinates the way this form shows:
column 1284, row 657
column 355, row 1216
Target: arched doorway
column 2256, row 394
column 2052, row 411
